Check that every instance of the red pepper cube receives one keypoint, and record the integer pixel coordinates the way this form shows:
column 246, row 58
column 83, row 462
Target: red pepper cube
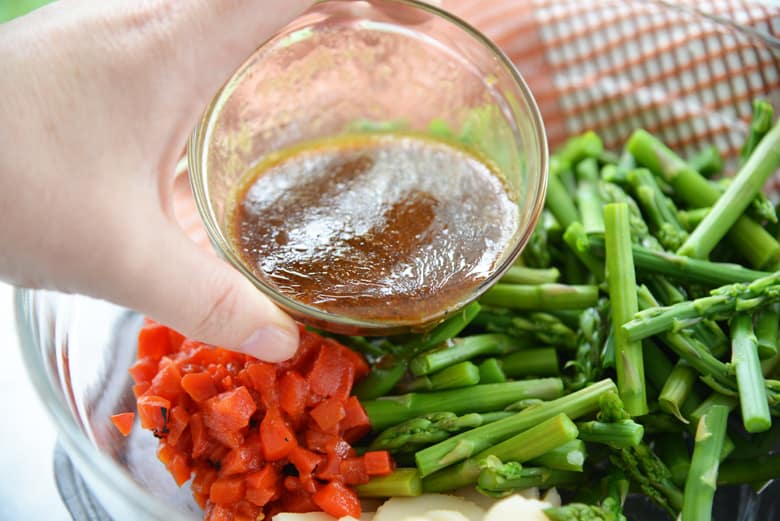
column 229, row 411
column 278, row 440
column 337, row 500
column 353, row 471
column 378, row 462
column 226, row 491
column 153, row 413
column 292, row 395
column 200, row 386
column 154, row 341
column 328, row 414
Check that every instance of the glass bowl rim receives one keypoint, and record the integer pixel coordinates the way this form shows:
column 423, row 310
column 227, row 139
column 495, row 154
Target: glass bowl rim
column 68, row 431
column 196, row 150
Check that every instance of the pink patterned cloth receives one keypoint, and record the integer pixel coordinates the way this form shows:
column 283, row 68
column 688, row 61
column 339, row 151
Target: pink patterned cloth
column 686, row 71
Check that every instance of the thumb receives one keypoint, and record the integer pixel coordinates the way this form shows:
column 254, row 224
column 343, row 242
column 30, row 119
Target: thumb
column 203, row 297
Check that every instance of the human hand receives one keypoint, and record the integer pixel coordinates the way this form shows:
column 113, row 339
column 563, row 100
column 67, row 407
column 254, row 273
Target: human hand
column 97, row 100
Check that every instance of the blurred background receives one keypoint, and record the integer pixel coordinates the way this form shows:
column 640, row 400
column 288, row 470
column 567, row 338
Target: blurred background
column 12, row 8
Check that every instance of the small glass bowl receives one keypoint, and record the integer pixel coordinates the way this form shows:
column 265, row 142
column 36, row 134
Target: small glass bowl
column 370, row 67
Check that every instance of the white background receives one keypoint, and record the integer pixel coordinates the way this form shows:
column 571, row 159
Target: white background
column 27, row 436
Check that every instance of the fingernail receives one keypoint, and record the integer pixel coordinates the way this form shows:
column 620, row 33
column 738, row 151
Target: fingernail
column 272, row 344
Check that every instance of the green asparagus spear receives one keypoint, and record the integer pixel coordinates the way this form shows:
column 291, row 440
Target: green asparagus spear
column 531, row 362
column 640, row 233
column 723, row 300
column 702, row 478
column 527, row 329
column 660, row 210
column 380, row 381
column 707, row 161
column 619, row 435
column 767, row 322
column 569, row 456
column 400, row 483
column 583, row 146
column 760, row 125
column 577, row 239
column 467, row 444
column 463, row 374
column 747, row 183
column 651, row 475
column 683, row 268
column 411, row 435
column 560, row 203
column 540, row 297
column 461, row 350
column 622, row 292
column 658, row 367
column 677, row 389
column 759, row 208
column 587, row 195
column 587, row 365
column 448, row 329
column 673, row 450
column 524, row 275
column 748, row 237
column 490, row 371
column 392, row 410
column 497, row 478
column 750, row 380
column 521, row 447
column 690, row 219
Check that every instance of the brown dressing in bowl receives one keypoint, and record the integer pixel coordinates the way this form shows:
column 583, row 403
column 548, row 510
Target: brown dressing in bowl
column 389, row 228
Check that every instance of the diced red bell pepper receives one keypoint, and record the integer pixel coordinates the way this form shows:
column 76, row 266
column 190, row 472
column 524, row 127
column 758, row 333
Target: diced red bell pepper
column 263, row 377
column 153, row 413
column 154, row 341
column 304, row 460
column 319, row 441
column 200, row 440
column 226, row 491
column 292, row 395
column 204, row 476
column 140, row 388
column 262, row 486
column 246, row 458
column 176, row 339
column 230, row 439
column 378, row 462
column 278, row 440
column 327, row 374
column 178, row 419
column 356, row 423
column 167, row 381
column 355, row 359
column 216, row 512
column 176, row 462
column 328, row 414
column 308, row 347
column 123, row 422
column 143, row 370
column 229, row 411
column 298, row 501
column 200, row 386
column 353, row 471
column 337, row 500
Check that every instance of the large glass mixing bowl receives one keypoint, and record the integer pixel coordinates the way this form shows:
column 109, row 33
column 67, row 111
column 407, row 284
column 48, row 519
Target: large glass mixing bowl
column 681, row 71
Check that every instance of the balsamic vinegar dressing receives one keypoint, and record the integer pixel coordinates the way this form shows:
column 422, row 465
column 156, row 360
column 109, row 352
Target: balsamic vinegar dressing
column 388, row 228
